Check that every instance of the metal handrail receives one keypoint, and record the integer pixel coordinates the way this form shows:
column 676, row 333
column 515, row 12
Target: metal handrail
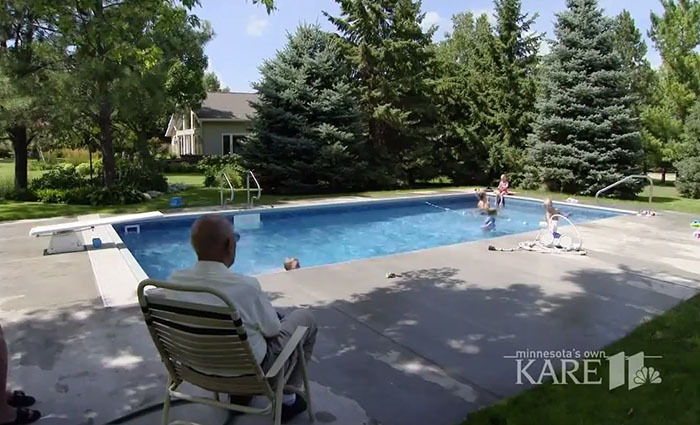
column 634, row 176
column 230, row 186
column 250, row 174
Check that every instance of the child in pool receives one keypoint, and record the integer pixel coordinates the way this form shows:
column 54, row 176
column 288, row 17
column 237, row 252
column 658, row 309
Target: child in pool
column 550, row 214
column 502, row 191
column 291, row 264
column 485, row 209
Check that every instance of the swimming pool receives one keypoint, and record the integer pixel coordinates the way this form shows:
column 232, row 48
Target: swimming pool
column 327, row 234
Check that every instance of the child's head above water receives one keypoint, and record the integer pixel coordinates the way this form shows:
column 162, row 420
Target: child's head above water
column 548, row 204
column 481, row 195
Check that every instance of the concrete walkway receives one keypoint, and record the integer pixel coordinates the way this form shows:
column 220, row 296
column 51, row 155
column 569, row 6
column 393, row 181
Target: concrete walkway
column 425, row 347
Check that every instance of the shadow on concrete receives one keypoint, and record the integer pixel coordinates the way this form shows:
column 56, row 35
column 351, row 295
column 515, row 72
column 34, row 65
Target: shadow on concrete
column 428, row 348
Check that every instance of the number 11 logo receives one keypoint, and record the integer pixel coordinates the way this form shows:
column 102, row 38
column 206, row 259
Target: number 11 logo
column 637, row 374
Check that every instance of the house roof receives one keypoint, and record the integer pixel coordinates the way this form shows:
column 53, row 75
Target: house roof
column 231, row 106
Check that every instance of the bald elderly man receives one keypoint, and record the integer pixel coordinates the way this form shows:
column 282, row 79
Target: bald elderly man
column 214, row 242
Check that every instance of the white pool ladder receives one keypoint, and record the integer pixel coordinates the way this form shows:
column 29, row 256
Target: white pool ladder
column 252, row 199
column 226, row 180
column 633, row 176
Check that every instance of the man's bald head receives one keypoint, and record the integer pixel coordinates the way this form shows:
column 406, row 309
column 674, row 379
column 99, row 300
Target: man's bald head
column 213, row 239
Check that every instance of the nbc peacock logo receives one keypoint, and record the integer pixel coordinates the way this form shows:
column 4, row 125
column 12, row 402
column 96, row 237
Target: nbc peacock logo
column 637, row 373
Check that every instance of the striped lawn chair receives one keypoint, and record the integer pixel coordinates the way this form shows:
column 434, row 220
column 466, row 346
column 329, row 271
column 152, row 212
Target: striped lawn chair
column 207, row 346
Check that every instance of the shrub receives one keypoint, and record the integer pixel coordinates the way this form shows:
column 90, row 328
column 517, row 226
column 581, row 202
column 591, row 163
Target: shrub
column 51, row 196
column 83, row 169
column 24, row 195
column 142, row 175
column 61, row 177
column 175, row 166
column 78, row 195
column 7, row 188
column 688, row 180
column 5, row 149
column 115, row 195
column 213, row 166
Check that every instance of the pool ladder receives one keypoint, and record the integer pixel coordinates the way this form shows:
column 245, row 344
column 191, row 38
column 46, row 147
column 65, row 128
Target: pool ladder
column 250, row 201
column 633, row 176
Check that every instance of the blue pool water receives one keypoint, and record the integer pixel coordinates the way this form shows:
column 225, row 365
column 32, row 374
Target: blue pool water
column 339, row 233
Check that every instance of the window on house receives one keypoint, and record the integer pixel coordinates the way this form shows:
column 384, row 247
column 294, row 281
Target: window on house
column 230, row 142
column 226, row 140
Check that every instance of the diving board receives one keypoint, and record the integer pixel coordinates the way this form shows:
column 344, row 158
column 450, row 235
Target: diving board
column 65, row 237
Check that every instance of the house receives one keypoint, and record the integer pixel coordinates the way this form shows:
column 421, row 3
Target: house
column 214, row 129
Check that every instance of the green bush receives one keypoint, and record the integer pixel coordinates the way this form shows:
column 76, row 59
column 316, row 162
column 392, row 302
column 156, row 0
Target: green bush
column 8, row 192
column 142, row 175
column 7, row 188
column 5, row 149
column 51, row 196
column 83, row 169
column 213, row 166
column 115, row 195
column 174, row 166
column 25, row 195
column 78, row 195
column 688, row 180
column 61, row 177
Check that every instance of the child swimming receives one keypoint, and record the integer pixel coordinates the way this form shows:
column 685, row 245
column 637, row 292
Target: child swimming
column 485, row 209
column 550, row 214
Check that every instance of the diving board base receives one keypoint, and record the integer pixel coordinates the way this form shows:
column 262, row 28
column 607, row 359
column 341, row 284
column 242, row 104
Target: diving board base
column 63, row 242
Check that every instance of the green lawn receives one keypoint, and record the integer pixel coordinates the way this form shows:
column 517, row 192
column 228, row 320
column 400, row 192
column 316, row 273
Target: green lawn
column 674, row 335
column 7, row 169
column 665, row 198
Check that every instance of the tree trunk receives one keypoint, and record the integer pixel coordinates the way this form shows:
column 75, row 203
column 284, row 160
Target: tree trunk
column 105, row 123
column 663, row 176
column 20, row 143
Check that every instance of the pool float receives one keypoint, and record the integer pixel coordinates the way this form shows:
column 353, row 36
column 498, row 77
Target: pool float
column 695, row 223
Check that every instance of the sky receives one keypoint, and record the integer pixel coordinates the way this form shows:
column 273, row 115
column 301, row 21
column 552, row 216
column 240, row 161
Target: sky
column 245, row 35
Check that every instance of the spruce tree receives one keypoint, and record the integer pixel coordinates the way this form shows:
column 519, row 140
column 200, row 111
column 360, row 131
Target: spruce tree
column 307, row 128
column 515, row 57
column 585, row 134
column 465, row 100
column 392, row 61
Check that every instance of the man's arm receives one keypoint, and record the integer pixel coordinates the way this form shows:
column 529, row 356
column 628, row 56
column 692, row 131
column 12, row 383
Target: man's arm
column 266, row 315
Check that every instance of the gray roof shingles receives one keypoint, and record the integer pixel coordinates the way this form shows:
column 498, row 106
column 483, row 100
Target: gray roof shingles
column 232, row 106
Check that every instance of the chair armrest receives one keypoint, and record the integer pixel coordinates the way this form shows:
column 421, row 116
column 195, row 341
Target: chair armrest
column 286, row 352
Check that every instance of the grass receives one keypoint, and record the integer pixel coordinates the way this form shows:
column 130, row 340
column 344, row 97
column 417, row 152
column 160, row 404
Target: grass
column 7, row 169
column 665, row 198
column 675, row 335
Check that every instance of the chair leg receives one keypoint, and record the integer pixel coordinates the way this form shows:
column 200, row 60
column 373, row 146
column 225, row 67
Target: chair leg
column 279, row 396
column 166, row 405
column 305, row 377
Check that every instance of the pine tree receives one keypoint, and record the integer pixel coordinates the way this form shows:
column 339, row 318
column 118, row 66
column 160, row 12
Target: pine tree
column 515, row 57
column 633, row 50
column 392, row 60
column 464, row 99
column 585, row 135
column 307, row 127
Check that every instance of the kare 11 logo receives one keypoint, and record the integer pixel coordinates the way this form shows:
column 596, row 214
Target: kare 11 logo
column 538, row 366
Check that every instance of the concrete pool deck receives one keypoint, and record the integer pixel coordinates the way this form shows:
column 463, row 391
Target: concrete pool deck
column 425, row 347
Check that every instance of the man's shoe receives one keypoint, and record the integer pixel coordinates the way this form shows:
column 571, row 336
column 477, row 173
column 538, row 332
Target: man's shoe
column 289, row 412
